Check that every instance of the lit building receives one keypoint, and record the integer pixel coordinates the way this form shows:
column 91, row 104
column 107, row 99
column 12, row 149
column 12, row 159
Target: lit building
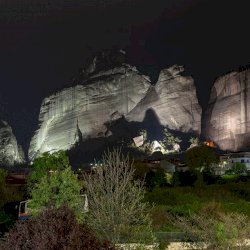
column 242, row 157
column 227, row 160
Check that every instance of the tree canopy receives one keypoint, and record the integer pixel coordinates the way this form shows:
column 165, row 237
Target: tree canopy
column 56, row 189
column 169, row 141
column 47, row 163
column 200, row 158
column 53, row 183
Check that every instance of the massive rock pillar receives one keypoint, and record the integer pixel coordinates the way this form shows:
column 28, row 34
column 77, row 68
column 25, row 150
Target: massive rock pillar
column 227, row 118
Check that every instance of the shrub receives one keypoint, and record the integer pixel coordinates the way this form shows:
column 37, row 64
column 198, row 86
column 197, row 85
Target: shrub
column 53, row 229
column 218, row 231
column 117, row 211
column 61, row 187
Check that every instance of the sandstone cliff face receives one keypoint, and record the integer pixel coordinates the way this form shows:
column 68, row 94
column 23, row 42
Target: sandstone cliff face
column 10, row 152
column 173, row 99
column 103, row 94
column 227, row 119
column 85, row 108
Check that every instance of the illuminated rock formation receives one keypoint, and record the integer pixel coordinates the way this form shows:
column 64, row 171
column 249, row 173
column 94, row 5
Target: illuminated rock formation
column 173, row 100
column 10, row 152
column 84, row 109
column 104, row 93
column 227, row 119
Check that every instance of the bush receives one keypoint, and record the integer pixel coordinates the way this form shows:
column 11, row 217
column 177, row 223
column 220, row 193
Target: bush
column 219, row 231
column 117, row 211
column 53, row 229
column 184, row 178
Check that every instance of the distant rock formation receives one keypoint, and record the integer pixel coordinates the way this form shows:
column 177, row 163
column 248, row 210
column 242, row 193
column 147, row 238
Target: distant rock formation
column 109, row 89
column 173, row 100
column 10, row 152
column 227, row 118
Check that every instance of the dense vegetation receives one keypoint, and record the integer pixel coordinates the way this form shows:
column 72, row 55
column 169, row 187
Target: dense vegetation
column 53, row 229
column 144, row 199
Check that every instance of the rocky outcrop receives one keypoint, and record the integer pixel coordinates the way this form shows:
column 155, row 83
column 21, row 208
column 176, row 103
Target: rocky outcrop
column 173, row 100
column 106, row 90
column 84, row 109
column 227, row 119
column 10, row 152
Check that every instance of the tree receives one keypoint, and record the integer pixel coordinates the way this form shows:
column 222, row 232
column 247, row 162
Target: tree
column 194, row 142
column 56, row 189
column 53, row 229
column 141, row 170
column 169, row 140
column 116, row 208
column 47, row 163
column 200, row 158
column 158, row 178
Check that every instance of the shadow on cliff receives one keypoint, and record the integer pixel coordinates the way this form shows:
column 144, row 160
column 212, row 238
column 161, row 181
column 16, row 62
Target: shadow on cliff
column 120, row 133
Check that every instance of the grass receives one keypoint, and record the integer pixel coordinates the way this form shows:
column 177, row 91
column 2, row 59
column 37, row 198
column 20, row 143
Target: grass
column 184, row 201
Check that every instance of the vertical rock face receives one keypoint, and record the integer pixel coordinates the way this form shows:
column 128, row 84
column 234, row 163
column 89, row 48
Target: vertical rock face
column 105, row 93
column 227, row 119
column 10, row 152
column 173, row 99
column 104, row 97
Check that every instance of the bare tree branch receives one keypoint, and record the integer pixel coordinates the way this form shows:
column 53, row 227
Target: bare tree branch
column 117, row 211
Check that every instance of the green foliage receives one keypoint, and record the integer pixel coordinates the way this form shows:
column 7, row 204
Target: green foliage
column 176, row 179
column 158, row 178
column 8, row 194
column 141, row 170
column 7, row 221
column 220, row 231
column 228, row 178
column 56, row 189
column 150, row 177
column 240, row 206
column 169, row 140
column 200, row 158
column 159, row 215
column 239, row 168
column 186, row 201
column 194, row 141
column 46, row 163
column 176, row 202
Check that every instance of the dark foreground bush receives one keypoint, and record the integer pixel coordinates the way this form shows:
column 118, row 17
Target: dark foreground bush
column 53, row 229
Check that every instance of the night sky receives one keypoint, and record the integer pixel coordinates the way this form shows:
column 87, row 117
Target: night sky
column 44, row 43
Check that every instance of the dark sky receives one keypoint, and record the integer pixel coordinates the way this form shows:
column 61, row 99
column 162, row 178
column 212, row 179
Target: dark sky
column 43, row 44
